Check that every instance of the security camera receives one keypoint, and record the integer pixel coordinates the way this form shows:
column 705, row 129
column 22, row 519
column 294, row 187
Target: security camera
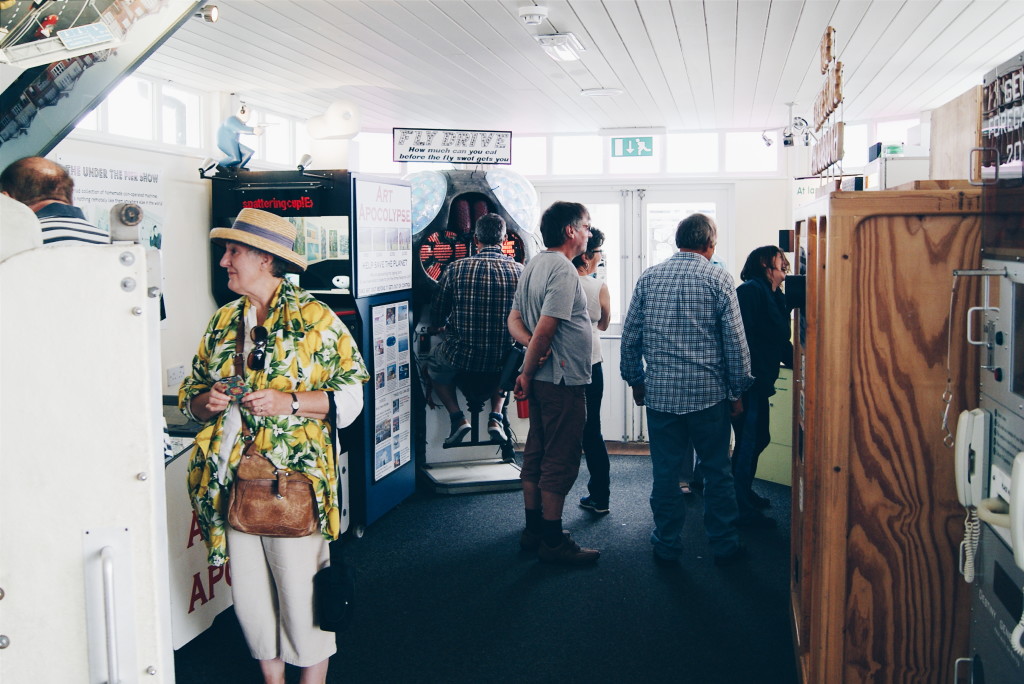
column 787, row 139
column 533, row 15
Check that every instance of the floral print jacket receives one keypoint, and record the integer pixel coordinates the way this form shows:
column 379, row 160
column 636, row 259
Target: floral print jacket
column 309, row 349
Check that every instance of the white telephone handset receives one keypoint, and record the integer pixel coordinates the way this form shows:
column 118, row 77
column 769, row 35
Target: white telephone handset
column 1017, row 538
column 970, row 450
column 971, row 447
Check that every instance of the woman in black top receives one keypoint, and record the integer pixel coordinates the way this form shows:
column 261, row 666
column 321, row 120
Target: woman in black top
column 767, row 324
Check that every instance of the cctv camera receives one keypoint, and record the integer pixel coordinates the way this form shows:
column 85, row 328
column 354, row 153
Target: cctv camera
column 787, row 140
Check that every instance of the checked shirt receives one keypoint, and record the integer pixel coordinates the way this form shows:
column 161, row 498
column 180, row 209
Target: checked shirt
column 684, row 322
column 473, row 303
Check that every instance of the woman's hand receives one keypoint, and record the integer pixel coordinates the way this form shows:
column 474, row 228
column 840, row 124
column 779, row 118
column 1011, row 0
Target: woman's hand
column 268, row 402
column 206, row 405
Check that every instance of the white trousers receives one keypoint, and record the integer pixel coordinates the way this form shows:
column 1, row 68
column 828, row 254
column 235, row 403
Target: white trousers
column 272, row 587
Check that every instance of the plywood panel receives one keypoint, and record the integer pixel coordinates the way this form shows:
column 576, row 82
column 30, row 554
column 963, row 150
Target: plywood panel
column 956, row 128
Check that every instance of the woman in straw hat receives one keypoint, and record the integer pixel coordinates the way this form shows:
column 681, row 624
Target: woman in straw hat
column 300, row 361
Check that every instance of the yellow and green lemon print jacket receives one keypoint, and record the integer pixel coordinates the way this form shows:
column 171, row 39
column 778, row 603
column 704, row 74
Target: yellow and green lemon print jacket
column 309, row 349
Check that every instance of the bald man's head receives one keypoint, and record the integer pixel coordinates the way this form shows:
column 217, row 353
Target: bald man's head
column 35, row 180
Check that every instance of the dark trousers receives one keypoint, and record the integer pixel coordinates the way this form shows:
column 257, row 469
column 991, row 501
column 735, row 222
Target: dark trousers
column 593, row 441
column 752, row 437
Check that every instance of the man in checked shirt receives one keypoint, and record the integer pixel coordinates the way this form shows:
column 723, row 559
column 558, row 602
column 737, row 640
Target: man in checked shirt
column 684, row 322
column 471, row 306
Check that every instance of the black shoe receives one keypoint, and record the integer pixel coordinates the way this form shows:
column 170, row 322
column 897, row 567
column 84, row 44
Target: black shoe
column 664, row 561
column 739, row 554
column 590, row 504
column 459, row 431
column 758, row 501
column 758, row 521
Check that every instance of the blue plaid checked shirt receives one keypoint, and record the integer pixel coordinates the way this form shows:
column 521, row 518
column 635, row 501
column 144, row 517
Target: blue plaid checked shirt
column 684, row 322
column 473, row 302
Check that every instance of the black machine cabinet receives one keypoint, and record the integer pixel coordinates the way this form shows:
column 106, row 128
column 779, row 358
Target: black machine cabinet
column 327, row 210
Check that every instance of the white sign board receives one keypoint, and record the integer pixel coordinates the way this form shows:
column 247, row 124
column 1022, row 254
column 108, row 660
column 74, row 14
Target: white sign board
column 454, row 147
column 199, row 592
column 392, row 381
column 384, row 231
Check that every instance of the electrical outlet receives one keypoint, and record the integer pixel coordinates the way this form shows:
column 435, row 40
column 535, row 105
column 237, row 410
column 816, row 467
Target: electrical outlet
column 175, row 376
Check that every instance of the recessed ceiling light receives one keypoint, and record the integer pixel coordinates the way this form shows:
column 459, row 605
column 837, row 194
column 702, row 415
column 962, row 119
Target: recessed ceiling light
column 600, row 92
column 561, row 47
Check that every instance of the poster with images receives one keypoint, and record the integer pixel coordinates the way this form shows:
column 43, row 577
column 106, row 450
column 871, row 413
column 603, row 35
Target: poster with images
column 392, row 441
column 321, row 237
column 115, row 196
column 384, row 225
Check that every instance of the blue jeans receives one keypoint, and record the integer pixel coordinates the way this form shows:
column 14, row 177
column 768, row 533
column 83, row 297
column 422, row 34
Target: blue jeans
column 752, row 436
column 593, row 441
column 708, row 429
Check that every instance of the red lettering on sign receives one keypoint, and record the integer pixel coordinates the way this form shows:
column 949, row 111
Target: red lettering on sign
column 194, row 532
column 198, row 593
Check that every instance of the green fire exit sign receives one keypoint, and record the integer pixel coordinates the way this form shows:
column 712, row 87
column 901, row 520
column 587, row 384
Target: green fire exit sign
column 633, row 147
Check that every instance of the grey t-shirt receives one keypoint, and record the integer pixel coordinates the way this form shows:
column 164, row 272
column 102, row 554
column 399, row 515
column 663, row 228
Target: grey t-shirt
column 550, row 286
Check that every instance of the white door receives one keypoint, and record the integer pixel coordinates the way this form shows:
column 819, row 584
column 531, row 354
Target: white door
column 639, row 224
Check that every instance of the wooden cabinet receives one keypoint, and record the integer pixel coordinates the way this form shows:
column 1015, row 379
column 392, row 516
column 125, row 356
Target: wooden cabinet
column 876, row 596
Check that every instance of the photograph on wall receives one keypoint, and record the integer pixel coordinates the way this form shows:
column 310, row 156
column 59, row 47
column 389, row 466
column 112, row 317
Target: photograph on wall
column 321, row 237
column 393, row 396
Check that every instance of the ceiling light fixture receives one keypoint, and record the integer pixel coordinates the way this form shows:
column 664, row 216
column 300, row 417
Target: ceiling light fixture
column 561, row 47
column 533, row 15
column 210, row 13
column 600, row 92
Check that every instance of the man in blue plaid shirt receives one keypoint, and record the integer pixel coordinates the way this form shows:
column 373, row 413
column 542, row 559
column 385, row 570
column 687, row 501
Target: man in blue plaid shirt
column 472, row 305
column 684, row 322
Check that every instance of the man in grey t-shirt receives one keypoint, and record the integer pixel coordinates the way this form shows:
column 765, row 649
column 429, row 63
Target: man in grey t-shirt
column 549, row 316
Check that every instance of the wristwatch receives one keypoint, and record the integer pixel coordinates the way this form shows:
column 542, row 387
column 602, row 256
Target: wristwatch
column 295, row 403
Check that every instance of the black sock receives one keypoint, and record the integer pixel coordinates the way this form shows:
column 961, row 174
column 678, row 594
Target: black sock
column 552, row 532
column 496, row 417
column 533, row 521
column 456, row 417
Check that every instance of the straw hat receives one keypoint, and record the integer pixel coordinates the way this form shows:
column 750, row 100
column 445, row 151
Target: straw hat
column 264, row 231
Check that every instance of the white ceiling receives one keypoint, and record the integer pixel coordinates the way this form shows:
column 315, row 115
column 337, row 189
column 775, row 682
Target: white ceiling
column 683, row 64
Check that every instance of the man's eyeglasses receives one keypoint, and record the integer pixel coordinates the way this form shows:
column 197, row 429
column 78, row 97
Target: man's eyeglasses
column 258, row 356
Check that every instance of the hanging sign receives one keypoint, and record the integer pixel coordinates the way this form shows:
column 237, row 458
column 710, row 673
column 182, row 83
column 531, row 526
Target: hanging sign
column 828, row 149
column 453, row 147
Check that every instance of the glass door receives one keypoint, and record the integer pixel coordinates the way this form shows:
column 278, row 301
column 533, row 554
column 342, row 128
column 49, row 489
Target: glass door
column 639, row 226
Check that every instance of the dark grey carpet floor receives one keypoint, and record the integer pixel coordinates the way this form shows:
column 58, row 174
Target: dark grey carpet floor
column 445, row 596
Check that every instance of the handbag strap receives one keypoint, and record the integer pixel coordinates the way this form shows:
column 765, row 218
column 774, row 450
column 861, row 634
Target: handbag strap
column 239, row 357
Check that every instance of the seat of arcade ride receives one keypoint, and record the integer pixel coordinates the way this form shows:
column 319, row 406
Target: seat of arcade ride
column 446, row 206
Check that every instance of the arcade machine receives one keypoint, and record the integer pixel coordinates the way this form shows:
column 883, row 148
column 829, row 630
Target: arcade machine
column 355, row 232
column 990, row 439
column 446, row 205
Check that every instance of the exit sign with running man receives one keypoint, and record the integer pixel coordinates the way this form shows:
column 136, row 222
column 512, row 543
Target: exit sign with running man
column 633, row 147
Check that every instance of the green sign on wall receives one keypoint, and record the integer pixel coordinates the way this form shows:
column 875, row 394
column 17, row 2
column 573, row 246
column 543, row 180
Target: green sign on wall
column 633, row 147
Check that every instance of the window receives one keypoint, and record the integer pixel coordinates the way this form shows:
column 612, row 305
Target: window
column 894, row 132
column 746, row 152
column 376, row 152
column 179, row 116
column 530, row 155
column 151, row 110
column 692, row 152
column 855, row 146
column 276, row 142
column 577, row 154
column 129, row 109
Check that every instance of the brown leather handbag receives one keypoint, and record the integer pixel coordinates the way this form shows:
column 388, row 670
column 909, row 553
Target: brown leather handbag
column 266, row 500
